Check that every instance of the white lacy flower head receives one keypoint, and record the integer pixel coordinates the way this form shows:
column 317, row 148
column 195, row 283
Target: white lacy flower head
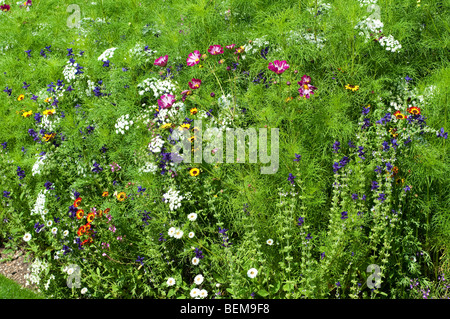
column 156, row 144
column 109, row 53
column 39, row 205
column 123, row 124
column 157, row 86
column 174, row 198
column 149, row 168
column 69, row 71
column 390, row 43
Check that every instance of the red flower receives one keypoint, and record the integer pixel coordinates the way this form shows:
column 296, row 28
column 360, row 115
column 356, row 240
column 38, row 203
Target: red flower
column 414, row 110
column 161, row 61
column 5, row 7
column 215, row 49
column 278, row 66
column 195, row 84
column 77, row 202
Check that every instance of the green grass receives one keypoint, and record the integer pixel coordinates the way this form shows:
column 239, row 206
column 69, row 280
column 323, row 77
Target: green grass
column 11, row 290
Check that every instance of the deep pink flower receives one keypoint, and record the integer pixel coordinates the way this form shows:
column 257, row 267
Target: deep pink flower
column 195, row 84
column 193, row 58
column 215, row 49
column 305, row 88
column 162, row 60
column 231, row 46
column 166, row 101
column 5, row 7
column 185, row 93
column 278, row 66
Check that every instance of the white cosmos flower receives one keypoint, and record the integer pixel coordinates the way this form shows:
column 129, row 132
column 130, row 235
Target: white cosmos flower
column 54, row 230
column 198, row 279
column 252, row 273
column 195, row 292
column 195, row 261
column 170, row 281
column 49, row 223
column 70, row 271
column 84, row 290
column 192, row 217
column 269, row 242
column 191, row 234
column 65, row 233
column 178, row 234
column 203, row 293
column 27, row 237
column 171, row 231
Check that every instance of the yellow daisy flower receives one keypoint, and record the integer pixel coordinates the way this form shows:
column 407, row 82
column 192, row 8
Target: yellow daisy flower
column 27, row 114
column 167, row 125
column 352, row 87
column 193, row 111
column 47, row 100
column 121, row 196
column 21, row 97
column 49, row 112
column 194, row 171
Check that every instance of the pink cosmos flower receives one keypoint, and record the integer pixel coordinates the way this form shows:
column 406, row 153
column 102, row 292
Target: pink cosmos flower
column 185, row 93
column 162, row 60
column 231, row 46
column 278, row 66
column 195, row 84
column 193, row 58
column 215, row 49
column 166, row 101
column 305, row 88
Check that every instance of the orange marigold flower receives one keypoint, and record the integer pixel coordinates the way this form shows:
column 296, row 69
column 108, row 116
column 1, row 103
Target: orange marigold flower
column 77, row 202
column 90, row 217
column 81, row 231
column 80, row 213
column 399, row 115
column 414, row 110
column 121, row 196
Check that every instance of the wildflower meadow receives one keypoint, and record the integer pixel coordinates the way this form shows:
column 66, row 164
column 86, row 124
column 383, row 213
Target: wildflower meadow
column 234, row 149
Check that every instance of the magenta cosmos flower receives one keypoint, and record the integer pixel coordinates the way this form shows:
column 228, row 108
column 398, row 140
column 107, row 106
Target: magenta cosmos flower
column 278, row 66
column 215, row 49
column 162, row 60
column 195, row 84
column 231, row 46
column 5, row 7
column 305, row 88
column 166, row 101
column 193, row 58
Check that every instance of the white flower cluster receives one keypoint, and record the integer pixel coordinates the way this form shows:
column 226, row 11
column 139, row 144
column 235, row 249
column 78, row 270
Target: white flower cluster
column 156, row 144
column 139, row 52
column 123, row 124
column 366, row 2
column 69, row 71
column 39, row 205
column 48, row 122
column 297, row 38
column 36, row 268
column 91, row 87
column 36, row 170
column 108, row 54
column 174, row 198
column 321, row 7
column 390, row 43
column 169, row 115
column 159, row 87
column 370, row 25
column 148, row 168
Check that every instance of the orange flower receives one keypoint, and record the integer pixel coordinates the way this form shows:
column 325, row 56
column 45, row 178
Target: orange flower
column 105, row 194
column 90, row 217
column 77, row 202
column 87, row 227
column 100, row 213
column 80, row 213
column 106, row 211
column 399, row 115
column 414, row 110
column 81, row 231
column 121, row 196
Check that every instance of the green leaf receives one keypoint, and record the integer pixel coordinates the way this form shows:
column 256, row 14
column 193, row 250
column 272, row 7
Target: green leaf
column 263, row 293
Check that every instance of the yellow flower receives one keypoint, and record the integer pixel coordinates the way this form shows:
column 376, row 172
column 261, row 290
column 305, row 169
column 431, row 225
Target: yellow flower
column 185, row 125
column 193, row 111
column 105, row 194
column 167, row 125
column 27, row 114
column 192, row 138
column 47, row 100
column 194, row 171
column 48, row 137
column 49, row 112
column 21, row 97
column 352, row 87
column 121, row 196
column 289, row 99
